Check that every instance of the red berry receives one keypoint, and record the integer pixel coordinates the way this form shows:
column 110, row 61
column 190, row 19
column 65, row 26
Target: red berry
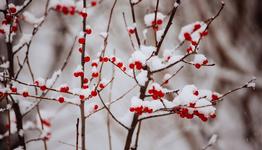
column 12, row 10
column 85, row 80
column 196, row 27
column 95, row 107
column 95, row 74
column 14, row 28
column 76, row 74
column 119, row 64
column 88, row 31
column 14, row 89
column 194, row 43
column 159, row 22
column 131, row 66
column 94, row 64
column 86, row 59
column 64, row 89
column 101, row 85
column 160, row 94
column 65, row 10
column 83, row 14
column 153, row 22
column 72, row 10
column 82, row 97
column 85, row 86
column 196, row 93
column 205, row 33
column 205, row 62
column 105, row 59
column 150, row 91
column 213, row 116
column 113, row 59
column 197, row 66
column 61, row 100
column 93, row 3
column 214, row 97
column 155, row 97
column 80, row 50
column 192, row 105
column 187, row 36
column 2, row 31
column 138, row 65
column 132, row 109
column 203, row 118
column 58, row 7
column 81, row 74
column 36, row 83
column 150, row 110
column 81, row 40
column 189, row 50
column 131, row 31
column 189, row 116
column 43, row 88
column 94, row 93
column 46, row 122
column 25, row 94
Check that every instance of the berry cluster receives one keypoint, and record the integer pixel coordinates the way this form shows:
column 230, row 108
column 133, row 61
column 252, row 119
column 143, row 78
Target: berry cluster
column 200, row 60
column 66, row 10
column 156, row 24
column 140, row 109
column 156, row 93
column 136, row 65
column 10, row 21
column 187, row 113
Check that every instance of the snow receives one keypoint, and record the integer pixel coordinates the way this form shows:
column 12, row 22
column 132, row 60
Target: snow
column 199, row 59
column 72, row 100
column 186, row 95
column 103, row 34
column 142, row 54
column 167, row 76
column 190, row 29
column 155, row 63
column 142, row 77
column 25, row 39
column 205, row 93
column 159, row 34
column 66, row 3
column 252, row 84
column 149, row 18
column 31, row 18
column 85, row 92
column 213, row 139
column 41, row 81
column 145, row 33
column 134, row 1
column 51, row 80
column 136, row 102
column 147, row 50
column 8, row 107
column 5, row 65
column 176, row 4
column 79, row 69
column 132, row 26
column 205, row 107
